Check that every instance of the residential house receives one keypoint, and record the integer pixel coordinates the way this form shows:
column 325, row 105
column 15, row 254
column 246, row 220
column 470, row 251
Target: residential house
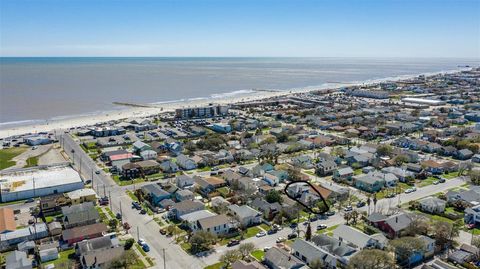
column 81, row 196
column 470, row 196
column 168, row 166
column 79, row 215
column 18, row 260
column 246, row 215
column 77, row 234
column 191, row 219
column 432, row 205
column 139, row 146
column 7, row 220
column 185, row 162
column 154, row 193
column 32, row 232
column 148, row 167
column 52, row 204
column 206, row 185
column 344, row 174
column 182, row 195
column 432, row 167
column 464, row 254
column 269, row 210
column 303, row 161
column 48, row 252
column 184, row 181
column 148, row 154
column 463, row 154
column 185, row 207
column 358, row 239
column 325, row 167
column 277, row 258
column 309, row 251
column 392, row 226
column 99, row 252
column 371, row 182
column 219, row 225
column 472, row 215
column 401, row 173
column 247, row 265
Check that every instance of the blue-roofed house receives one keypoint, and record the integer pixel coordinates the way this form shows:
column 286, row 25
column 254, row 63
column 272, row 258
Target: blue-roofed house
column 154, row 193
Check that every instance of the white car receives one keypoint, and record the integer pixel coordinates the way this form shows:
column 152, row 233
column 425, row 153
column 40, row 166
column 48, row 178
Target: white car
column 261, row 234
column 141, row 241
column 281, row 239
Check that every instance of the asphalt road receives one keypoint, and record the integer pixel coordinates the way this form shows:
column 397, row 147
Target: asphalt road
column 175, row 257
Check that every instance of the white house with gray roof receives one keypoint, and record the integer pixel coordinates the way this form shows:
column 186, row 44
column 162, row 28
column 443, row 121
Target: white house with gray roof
column 358, row 239
column 246, row 215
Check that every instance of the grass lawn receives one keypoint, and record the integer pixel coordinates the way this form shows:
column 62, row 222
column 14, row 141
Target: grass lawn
column 476, row 231
column 357, row 171
column 132, row 196
column 204, row 169
column 450, row 175
column 32, row 161
column 224, row 191
column 6, row 156
column 186, row 246
column 250, row 232
column 265, row 226
column 120, row 182
column 159, row 221
column 218, row 265
column 328, row 231
column 140, row 250
column 258, row 254
column 110, row 213
column 427, row 181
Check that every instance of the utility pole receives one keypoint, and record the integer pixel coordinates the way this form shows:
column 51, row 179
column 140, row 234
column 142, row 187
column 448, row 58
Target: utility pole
column 110, row 199
column 164, row 260
column 104, row 193
column 92, row 179
column 138, row 234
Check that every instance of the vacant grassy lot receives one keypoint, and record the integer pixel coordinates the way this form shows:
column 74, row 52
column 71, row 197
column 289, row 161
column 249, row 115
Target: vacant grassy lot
column 6, row 156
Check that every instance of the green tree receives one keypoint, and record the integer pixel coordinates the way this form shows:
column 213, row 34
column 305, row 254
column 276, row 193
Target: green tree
column 230, row 256
column 384, row 150
column 129, row 243
column 245, row 249
column 475, row 176
column 308, row 232
column 406, row 246
column 112, row 223
column 202, row 240
column 317, row 264
column 273, row 196
column 371, row 259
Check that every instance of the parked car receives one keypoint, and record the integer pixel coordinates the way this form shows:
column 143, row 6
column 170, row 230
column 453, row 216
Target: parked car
column 141, row 241
column 233, row 242
column 118, row 216
column 163, row 232
column 272, row 231
column 360, row 204
column 261, row 234
column 442, row 180
column 348, row 208
column 293, row 225
column 321, row 227
column 143, row 211
column 292, row 235
column 280, row 240
column 330, row 213
column 146, row 248
column 136, row 205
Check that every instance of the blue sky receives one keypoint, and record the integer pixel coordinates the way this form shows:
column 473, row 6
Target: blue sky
column 330, row 28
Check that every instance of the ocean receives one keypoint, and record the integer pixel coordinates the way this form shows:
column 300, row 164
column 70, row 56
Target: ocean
column 38, row 89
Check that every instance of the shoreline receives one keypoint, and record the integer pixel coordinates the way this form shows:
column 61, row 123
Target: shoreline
column 92, row 118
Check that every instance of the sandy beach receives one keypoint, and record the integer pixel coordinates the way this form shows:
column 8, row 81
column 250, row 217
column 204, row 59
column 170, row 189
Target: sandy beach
column 132, row 112
column 129, row 113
